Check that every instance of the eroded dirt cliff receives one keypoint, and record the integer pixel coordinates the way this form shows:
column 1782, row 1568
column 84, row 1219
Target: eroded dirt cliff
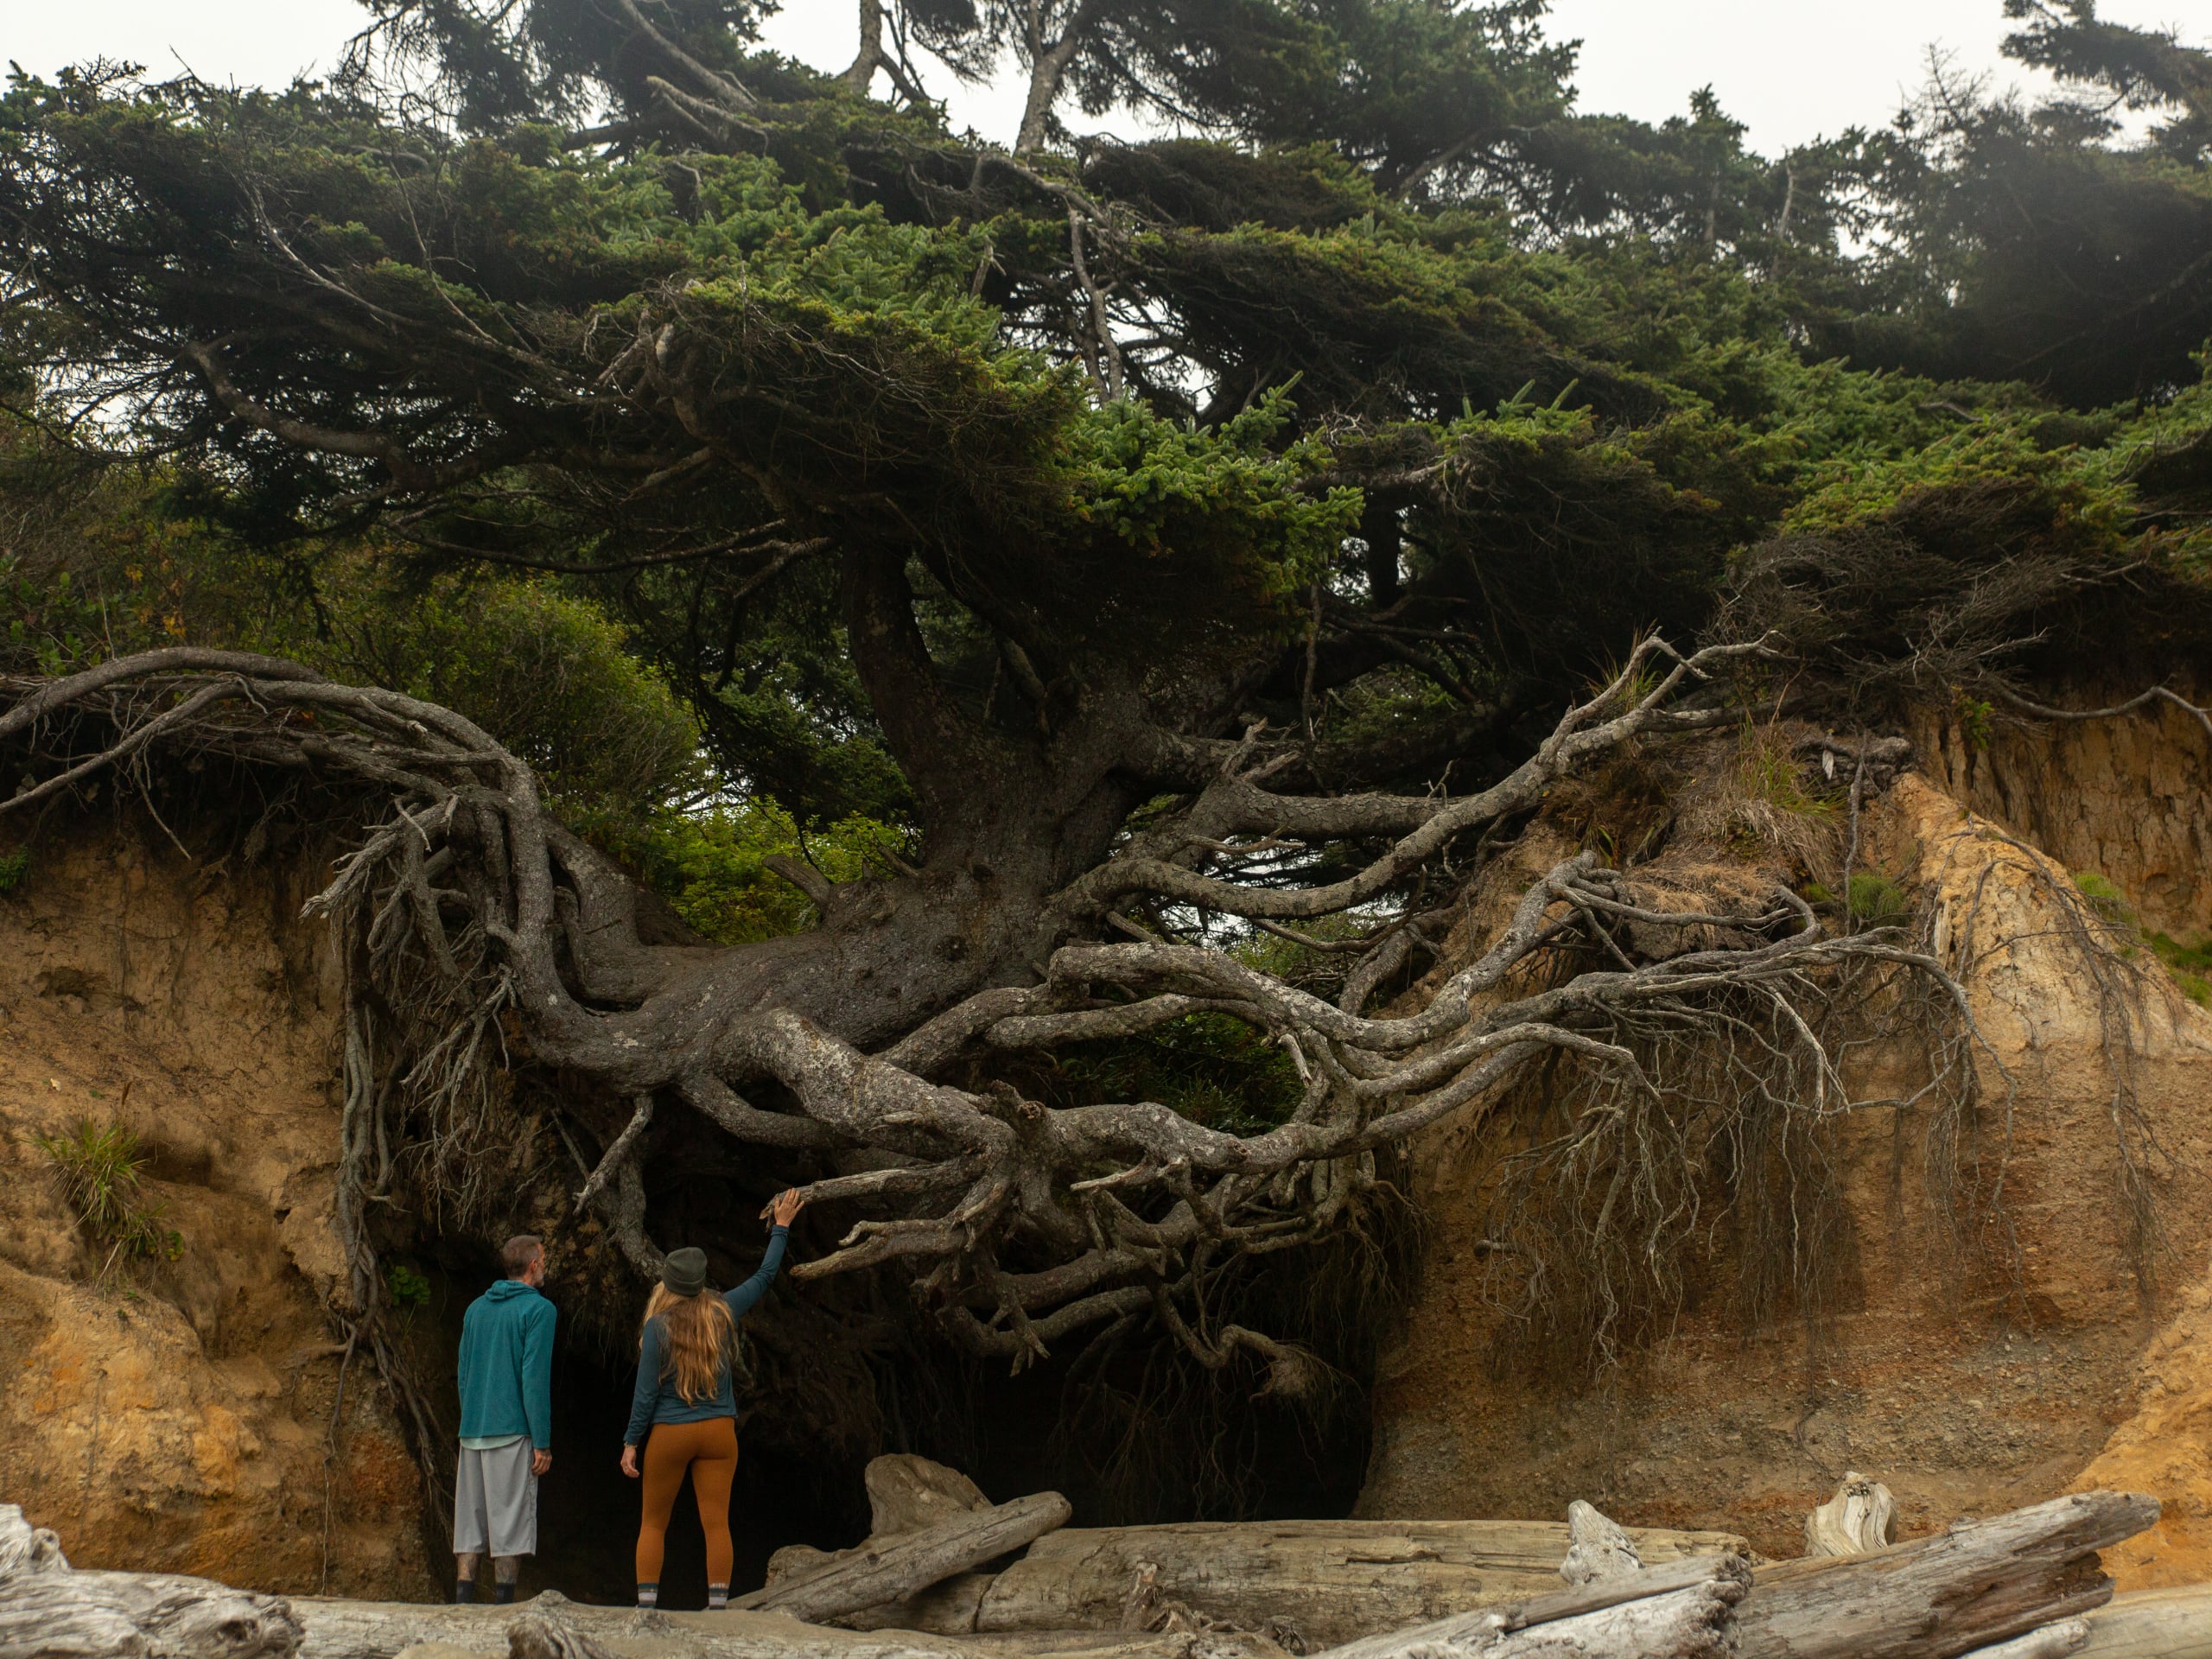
column 179, row 1416
column 2045, row 1358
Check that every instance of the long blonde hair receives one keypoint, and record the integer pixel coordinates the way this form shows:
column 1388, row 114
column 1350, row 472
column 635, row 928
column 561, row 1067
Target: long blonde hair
column 701, row 1340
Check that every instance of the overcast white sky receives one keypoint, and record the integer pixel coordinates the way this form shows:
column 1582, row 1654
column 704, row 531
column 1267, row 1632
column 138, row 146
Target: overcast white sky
column 1792, row 69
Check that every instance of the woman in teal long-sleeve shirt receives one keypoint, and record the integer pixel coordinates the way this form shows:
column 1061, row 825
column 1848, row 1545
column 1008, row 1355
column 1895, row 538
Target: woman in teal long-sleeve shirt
column 683, row 1410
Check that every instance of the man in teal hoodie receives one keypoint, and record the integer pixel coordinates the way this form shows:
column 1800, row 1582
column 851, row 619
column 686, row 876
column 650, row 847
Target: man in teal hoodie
column 506, row 1421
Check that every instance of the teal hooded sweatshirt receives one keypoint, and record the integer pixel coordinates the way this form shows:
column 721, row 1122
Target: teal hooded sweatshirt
column 507, row 1365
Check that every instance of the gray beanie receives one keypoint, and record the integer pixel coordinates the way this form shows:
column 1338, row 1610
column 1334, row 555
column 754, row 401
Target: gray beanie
column 684, row 1273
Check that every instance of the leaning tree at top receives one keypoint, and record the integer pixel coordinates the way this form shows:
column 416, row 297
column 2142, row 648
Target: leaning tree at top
column 957, row 485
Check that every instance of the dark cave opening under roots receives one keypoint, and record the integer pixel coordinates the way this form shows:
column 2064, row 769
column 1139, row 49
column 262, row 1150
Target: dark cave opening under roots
column 1135, row 1436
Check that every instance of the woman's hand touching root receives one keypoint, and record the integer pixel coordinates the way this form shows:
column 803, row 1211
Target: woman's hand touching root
column 783, row 1208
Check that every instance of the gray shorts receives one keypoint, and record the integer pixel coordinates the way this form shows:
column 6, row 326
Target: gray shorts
column 495, row 1502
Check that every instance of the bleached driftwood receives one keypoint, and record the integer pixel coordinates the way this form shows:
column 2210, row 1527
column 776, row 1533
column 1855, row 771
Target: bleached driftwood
column 1692, row 1623
column 50, row 1610
column 536, row 1636
column 910, row 1494
column 1981, row 1582
column 906, row 1493
column 2052, row 1642
column 1682, row 1611
column 899, row 1567
column 947, row 1609
column 1596, row 1547
column 1122, row 1644
column 382, row 1630
column 1862, row 1516
column 2171, row 1624
column 1336, row 1581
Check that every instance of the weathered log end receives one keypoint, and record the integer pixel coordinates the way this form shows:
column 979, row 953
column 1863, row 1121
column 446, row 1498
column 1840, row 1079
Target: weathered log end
column 910, row 1494
column 49, row 1607
column 26, row 1548
column 1861, row 1516
column 1978, row 1584
column 1596, row 1547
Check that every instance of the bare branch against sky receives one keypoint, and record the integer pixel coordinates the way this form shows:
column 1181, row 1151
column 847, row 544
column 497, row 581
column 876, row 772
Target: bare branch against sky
column 1792, row 69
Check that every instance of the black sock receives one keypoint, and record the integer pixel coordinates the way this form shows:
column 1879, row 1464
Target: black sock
column 464, row 1589
column 504, row 1592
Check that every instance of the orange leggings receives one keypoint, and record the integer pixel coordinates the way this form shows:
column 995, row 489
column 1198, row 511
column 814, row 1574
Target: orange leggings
column 709, row 1450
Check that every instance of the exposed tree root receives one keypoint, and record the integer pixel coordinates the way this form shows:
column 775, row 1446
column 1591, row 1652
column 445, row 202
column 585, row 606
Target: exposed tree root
column 471, row 920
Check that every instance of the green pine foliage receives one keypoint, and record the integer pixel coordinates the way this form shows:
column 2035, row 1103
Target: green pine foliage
column 1399, row 330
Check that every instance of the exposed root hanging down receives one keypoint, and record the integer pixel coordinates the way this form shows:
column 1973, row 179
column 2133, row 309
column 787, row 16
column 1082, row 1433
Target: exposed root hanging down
column 1728, row 1123
column 470, row 920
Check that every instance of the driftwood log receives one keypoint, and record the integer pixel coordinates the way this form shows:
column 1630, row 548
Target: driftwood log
column 50, row 1610
column 2171, row 1624
column 1335, row 1580
column 1597, row 1546
column 1981, row 1582
column 906, row 1493
column 358, row 1629
column 536, row 1636
column 1861, row 1516
column 1977, row 1585
column 383, row 1630
column 1689, row 1623
column 896, row 1567
column 1589, row 1609
column 2068, row 1636
column 910, row 1494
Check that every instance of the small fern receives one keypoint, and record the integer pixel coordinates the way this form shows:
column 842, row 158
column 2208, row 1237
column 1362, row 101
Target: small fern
column 409, row 1289
column 13, row 868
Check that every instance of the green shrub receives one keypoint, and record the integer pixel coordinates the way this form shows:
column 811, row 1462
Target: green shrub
column 97, row 1167
column 1876, row 900
column 13, row 867
column 1976, row 715
column 546, row 672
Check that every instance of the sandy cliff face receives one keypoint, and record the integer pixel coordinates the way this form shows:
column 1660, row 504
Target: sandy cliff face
column 1965, row 1391
column 177, row 1417
column 2127, row 798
